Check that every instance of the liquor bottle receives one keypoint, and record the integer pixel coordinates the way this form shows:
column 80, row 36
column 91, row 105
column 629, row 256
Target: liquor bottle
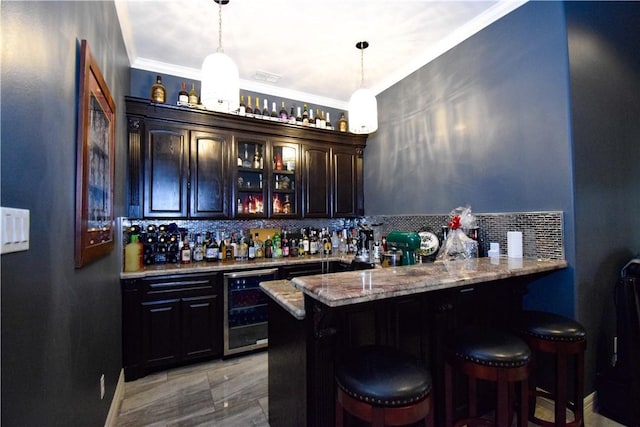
column 285, row 245
column 292, row 117
column 243, row 108
column 274, row 113
column 211, row 253
column 328, row 124
column 133, row 254
column 240, row 207
column 246, row 161
column 249, row 109
column 306, row 244
column 277, row 246
column 326, row 245
column 268, row 247
column 257, row 113
column 279, row 164
column 265, row 109
column 158, row 92
column 229, row 250
column 251, row 249
column 198, row 254
column 342, row 123
column 283, row 113
column 185, row 251
column 221, row 248
column 323, row 121
column 257, row 158
column 312, row 120
column 305, row 116
column 313, row 243
column 286, row 205
column 259, row 246
column 277, row 206
column 183, row 95
column 193, row 95
column 299, row 116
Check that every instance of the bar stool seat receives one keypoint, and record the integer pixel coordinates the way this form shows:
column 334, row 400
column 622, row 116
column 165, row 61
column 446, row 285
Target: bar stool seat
column 491, row 355
column 565, row 338
column 383, row 386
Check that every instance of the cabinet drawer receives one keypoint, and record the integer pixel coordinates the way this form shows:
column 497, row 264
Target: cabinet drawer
column 178, row 286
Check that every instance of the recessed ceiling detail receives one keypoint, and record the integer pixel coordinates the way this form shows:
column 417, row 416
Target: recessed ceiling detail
column 306, row 46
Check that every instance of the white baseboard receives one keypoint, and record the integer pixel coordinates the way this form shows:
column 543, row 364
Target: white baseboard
column 118, row 395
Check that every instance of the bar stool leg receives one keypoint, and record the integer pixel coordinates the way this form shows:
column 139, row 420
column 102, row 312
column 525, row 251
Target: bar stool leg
column 523, row 419
column 561, row 390
column 339, row 414
column 448, row 395
column 502, row 405
column 579, row 387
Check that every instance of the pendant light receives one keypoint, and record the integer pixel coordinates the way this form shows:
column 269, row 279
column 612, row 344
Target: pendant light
column 220, row 78
column 363, row 107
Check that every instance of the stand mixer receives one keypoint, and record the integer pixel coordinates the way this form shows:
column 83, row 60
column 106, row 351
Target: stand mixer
column 408, row 242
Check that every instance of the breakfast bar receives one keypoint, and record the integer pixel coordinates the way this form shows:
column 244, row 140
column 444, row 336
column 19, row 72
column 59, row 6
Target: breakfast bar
column 314, row 320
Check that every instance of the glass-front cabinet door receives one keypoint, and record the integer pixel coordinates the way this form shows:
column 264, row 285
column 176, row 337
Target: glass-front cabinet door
column 251, row 183
column 284, row 179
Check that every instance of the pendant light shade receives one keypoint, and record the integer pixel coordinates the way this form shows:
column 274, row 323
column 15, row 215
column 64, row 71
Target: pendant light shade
column 363, row 107
column 363, row 112
column 220, row 83
column 220, row 78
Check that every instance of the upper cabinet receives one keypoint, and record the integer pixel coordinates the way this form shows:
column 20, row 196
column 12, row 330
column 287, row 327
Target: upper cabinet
column 189, row 163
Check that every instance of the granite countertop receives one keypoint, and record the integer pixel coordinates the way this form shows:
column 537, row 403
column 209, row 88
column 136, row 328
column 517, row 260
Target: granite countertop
column 352, row 287
column 211, row 267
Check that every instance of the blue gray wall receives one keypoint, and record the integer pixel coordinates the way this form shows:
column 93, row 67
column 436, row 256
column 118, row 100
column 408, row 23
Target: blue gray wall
column 604, row 53
column 61, row 327
column 536, row 112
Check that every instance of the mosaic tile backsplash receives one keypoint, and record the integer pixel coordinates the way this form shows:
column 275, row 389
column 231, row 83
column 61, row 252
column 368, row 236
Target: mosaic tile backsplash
column 542, row 231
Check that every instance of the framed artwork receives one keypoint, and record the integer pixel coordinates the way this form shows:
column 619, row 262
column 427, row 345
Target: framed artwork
column 95, row 169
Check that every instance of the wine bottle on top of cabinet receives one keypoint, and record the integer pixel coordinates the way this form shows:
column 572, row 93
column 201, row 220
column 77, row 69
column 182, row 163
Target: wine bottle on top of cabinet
column 158, row 91
column 282, row 115
column 257, row 112
column 243, row 107
column 292, row 117
column 183, row 95
column 305, row 116
column 249, row 109
column 312, row 120
column 328, row 124
column 265, row 109
column 274, row 113
column 193, row 95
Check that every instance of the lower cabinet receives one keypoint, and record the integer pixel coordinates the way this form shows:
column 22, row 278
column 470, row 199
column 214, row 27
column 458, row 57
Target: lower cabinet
column 169, row 321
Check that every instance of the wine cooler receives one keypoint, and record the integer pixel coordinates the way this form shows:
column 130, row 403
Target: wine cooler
column 245, row 314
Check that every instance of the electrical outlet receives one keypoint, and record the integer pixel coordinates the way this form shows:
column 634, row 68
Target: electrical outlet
column 101, row 386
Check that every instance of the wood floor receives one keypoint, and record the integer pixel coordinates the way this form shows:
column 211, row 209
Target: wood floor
column 229, row 393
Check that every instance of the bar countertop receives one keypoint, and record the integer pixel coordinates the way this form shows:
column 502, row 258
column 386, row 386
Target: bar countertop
column 352, row 287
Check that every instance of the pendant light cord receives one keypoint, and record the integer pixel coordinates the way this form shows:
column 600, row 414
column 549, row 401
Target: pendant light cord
column 220, row 49
column 362, row 67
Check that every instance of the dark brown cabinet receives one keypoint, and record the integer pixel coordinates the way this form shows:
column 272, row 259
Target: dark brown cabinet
column 170, row 320
column 191, row 163
column 317, row 182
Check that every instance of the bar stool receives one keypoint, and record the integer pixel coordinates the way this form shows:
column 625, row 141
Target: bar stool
column 491, row 355
column 383, row 386
column 565, row 338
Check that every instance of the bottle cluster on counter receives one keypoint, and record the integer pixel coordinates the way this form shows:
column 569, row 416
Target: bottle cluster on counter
column 296, row 115
column 169, row 244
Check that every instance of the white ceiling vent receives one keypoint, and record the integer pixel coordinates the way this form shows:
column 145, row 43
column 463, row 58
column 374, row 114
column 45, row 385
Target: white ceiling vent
column 264, row 76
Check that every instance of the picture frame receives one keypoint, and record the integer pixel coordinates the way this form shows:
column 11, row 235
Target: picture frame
column 95, row 167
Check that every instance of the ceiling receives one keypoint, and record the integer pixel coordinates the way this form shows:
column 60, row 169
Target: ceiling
column 308, row 47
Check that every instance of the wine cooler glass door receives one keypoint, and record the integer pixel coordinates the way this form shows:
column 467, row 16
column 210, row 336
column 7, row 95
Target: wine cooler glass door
column 245, row 314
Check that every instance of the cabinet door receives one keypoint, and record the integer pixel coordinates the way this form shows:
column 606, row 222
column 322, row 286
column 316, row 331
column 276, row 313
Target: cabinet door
column 208, row 171
column 250, row 196
column 201, row 327
column 317, row 182
column 284, row 188
column 166, row 171
column 344, row 184
column 160, row 332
